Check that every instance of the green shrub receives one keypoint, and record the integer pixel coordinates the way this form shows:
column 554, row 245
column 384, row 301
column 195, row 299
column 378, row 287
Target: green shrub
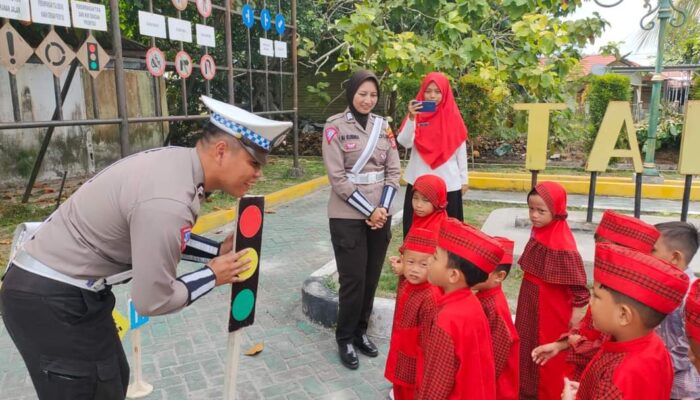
column 695, row 88
column 604, row 89
column 476, row 103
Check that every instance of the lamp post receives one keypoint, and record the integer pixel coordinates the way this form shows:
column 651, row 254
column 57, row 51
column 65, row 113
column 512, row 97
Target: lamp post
column 665, row 9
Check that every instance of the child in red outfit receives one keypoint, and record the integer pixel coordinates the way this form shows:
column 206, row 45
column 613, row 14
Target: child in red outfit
column 429, row 202
column 583, row 340
column 692, row 323
column 553, row 294
column 506, row 343
column 458, row 351
column 632, row 293
column 416, row 304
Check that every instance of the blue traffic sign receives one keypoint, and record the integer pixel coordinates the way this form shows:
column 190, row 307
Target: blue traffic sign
column 136, row 320
column 265, row 19
column 248, row 16
column 279, row 24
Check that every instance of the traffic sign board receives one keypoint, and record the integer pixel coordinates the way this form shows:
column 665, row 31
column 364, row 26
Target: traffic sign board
column 248, row 16
column 135, row 319
column 180, row 4
column 204, row 7
column 183, row 64
column 155, row 61
column 207, row 67
column 265, row 19
column 14, row 50
column 279, row 24
column 92, row 56
column 55, row 53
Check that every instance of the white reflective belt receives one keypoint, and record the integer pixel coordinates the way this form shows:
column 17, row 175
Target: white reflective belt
column 366, row 178
column 23, row 260
column 371, row 145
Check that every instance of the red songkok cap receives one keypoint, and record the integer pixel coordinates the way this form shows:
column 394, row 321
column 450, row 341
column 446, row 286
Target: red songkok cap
column 420, row 240
column 640, row 276
column 627, row 231
column 471, row 244
column 692, row 312
column 507, row 245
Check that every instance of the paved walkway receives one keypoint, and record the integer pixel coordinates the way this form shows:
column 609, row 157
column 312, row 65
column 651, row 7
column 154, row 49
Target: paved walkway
column 184, row 353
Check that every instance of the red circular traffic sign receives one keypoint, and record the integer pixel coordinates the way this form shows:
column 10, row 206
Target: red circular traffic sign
column 155, row 61
column 204, row 7
column 180, row 4
column 183, row 64
column 207, row 67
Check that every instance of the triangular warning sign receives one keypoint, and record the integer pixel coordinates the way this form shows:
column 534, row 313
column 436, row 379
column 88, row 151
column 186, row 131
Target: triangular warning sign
column 55, row 53
column 93, row 57
column 14, row 50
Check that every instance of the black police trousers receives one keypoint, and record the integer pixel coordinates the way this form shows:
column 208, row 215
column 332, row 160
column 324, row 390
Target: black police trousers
column 359, row 255
column 66, row 336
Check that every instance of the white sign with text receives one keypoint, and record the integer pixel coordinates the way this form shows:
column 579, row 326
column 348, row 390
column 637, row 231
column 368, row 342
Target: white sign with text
column 51, row 12
column 205, row 35
column 280, row 49
column 89, row 16
column 267, row 47
column 152, row 25
column 179, row 29
column 15, row 9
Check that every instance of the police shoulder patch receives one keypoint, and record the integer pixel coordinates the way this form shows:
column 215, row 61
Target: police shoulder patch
column 185, row 234
column 330, row 133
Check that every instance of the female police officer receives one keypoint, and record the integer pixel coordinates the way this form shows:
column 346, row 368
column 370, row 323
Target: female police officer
column 135, row 217
column 363, row 167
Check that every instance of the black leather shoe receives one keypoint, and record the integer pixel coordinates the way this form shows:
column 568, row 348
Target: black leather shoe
column 348, row 355
column 366, row 346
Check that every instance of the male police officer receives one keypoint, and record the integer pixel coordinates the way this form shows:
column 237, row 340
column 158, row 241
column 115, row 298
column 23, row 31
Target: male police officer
column 136, row 217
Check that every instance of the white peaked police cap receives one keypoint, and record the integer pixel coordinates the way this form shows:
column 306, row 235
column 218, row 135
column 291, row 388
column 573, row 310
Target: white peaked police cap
column 257, row 134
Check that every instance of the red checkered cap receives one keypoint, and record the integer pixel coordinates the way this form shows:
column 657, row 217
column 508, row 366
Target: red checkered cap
column 420, row 240
column 692, row 312
column 471, row 244
column 645, row 278
column 507, row 245
column 627, row 231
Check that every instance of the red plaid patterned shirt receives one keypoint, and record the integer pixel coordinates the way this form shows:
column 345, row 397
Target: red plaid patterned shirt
column 631, row 370
column 506, row 343
column 458, row 352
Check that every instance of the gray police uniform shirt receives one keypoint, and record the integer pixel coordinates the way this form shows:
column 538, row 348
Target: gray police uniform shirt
column 344, row 140
column 136, row 214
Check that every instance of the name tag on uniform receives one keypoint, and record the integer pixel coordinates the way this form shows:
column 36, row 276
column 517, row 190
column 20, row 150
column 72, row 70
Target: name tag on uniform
column 350, row 146
column 349, row 137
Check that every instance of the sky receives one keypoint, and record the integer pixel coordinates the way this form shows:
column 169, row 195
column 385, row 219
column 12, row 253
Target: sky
column 624, row 26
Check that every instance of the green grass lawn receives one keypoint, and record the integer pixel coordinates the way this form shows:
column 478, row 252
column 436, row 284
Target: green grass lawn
column 475, row 213
column 275, row 177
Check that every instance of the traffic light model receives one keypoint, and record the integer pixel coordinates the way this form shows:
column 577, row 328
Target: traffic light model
column 248, row 235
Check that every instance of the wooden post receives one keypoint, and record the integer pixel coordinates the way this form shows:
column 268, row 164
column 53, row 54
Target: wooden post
column 233, row 356
column 139, row 388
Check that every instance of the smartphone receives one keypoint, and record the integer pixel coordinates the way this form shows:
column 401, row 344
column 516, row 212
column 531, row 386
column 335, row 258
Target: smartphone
column 428, row 106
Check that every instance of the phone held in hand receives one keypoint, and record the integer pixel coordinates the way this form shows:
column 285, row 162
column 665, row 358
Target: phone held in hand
column 428, row 106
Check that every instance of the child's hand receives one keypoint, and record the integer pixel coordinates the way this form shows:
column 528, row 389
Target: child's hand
column 573, row 339
column 542, row 354
column 570, row 389
column 396, row 265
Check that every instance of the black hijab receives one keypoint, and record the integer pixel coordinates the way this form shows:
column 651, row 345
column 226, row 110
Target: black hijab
column 354, row 83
